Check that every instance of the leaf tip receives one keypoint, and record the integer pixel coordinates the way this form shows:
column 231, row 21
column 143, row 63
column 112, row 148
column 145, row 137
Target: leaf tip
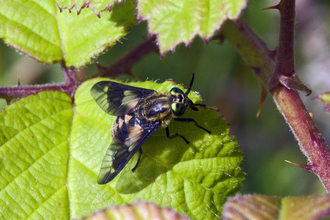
column 325, row 98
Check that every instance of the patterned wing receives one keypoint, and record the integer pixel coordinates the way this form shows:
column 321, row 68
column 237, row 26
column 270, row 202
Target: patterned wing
column 118, row 99
column 128, row 137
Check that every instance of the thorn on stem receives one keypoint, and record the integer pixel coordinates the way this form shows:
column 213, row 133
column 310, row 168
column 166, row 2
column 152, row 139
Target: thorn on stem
column 273, row 7
column 304, row 166
column 129, row 72
column 293, row 82
column 255, row 69
column 18, row 80
column 262, row 100
column 272, row 53
column 99, row 66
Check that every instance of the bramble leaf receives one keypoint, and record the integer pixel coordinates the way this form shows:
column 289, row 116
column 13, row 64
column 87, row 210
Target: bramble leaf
column 273, row 207
column 34, row 152
column 51, row 155
column 138, row 211
column 179, row 21
column 38, row 29
column 174, row 21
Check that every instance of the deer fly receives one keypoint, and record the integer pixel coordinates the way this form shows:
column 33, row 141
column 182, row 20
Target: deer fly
column 140, row 112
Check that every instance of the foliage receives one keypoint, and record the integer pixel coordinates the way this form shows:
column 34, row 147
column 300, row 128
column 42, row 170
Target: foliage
column 53, row 139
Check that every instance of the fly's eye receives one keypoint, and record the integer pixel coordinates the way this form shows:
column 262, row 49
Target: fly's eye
column 178, row 108
column 175, row 91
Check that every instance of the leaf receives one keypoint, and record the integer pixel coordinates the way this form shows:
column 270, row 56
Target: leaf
column 251, row 207
column 51, row 156
column 38, row 29
column 140, row 210
column 177, row 21
column 307, row 207
column 273, row 207
column 325, row 98
column 34, row 152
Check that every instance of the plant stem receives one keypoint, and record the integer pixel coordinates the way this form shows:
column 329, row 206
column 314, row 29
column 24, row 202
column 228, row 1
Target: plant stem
column 253, row 51
column 285, row 51
column 311, row 142
column 69, row 86
column 125, row 64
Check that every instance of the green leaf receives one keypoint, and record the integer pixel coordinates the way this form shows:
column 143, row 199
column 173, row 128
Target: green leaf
column 38, row 29
column 325, row 98
column 34, row 152
column 273, row 207
column 307, row 207
column 177, row 21
column 51, row 156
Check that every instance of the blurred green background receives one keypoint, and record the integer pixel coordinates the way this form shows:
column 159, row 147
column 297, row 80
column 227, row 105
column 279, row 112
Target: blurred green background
column 226, row 83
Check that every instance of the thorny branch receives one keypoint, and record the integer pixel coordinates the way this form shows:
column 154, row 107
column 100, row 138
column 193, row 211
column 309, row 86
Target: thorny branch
column 121, row 66
column 277, row 74
column 125, row 64
column 69, row 86
column 272, row 71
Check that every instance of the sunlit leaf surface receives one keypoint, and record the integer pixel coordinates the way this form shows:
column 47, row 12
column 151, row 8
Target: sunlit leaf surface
column 52, row 150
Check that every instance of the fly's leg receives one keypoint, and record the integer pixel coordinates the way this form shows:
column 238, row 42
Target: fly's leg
column 169, row 136
column 137, row 162
column 200, row 105
column 192, row 120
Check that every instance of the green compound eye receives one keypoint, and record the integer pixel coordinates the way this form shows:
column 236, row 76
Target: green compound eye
column 175, row 91
column 178, row 108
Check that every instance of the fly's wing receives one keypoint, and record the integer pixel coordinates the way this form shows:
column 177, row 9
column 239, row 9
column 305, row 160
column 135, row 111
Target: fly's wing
column 118, row 99
column 127, row 140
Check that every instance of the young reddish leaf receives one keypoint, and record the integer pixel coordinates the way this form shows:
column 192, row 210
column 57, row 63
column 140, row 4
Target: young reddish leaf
column 273, row 207
column 138, row 211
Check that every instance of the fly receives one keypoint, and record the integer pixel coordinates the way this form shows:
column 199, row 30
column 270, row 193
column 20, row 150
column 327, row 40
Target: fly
column 140, row 112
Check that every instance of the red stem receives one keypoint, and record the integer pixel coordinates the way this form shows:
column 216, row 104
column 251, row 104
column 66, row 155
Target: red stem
column 311, row 142
column 69, row 86
column 125, row 64
column 285, row 51
column 253, row 50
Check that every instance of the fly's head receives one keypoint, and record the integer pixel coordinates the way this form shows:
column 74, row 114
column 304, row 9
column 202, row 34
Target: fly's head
column 180, row 100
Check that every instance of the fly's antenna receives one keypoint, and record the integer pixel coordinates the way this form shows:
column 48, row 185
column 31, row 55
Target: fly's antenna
column 190, row 84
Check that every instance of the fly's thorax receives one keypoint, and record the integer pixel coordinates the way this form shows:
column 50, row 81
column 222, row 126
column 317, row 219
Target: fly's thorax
column 156, row 107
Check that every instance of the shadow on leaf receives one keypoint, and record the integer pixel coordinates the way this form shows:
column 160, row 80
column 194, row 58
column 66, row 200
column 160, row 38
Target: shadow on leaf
column 160, row 154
